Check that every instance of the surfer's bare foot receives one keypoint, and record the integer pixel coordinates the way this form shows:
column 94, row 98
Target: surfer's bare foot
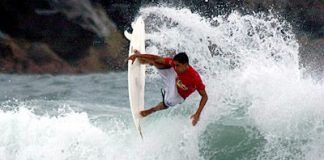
column 146, row 112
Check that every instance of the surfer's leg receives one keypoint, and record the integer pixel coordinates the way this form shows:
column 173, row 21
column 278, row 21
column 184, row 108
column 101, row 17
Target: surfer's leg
column 158, row 107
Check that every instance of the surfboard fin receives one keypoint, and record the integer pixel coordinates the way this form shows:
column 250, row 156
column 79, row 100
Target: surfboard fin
column 140, row 131
column 133, row 25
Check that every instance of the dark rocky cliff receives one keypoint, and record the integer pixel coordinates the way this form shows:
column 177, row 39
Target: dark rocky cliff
column 36, row 40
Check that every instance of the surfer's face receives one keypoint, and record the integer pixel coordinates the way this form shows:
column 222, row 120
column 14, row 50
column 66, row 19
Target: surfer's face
column 179, row 67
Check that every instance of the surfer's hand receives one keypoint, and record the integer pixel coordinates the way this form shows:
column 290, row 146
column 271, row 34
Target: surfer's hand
column 132, row 58
column 195, row 118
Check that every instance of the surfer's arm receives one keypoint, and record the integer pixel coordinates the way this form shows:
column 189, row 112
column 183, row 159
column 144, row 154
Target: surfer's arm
column 204, row 97
column 146, row 57
column 152, row 59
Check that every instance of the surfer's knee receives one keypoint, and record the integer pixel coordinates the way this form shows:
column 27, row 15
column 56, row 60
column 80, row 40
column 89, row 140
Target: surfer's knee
column 169, row 103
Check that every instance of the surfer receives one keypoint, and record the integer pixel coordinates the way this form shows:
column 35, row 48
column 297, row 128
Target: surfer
column 180, row 80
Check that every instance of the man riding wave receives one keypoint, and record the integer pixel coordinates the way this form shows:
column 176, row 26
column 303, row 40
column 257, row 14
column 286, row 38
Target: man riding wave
column 180, row 81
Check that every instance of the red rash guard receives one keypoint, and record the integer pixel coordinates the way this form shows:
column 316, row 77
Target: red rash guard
column 186, row 82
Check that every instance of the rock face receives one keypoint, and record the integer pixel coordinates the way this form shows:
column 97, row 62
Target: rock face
column 39, row 39
column 30, row 58
column 49, row 36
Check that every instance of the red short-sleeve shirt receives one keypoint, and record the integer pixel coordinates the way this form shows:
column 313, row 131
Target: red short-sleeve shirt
column 187, row 82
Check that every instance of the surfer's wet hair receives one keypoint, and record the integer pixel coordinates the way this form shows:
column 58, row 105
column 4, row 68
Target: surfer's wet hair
column 181, row 57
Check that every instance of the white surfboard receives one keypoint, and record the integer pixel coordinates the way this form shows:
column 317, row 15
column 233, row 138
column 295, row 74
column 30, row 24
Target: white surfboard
column 136, row 72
